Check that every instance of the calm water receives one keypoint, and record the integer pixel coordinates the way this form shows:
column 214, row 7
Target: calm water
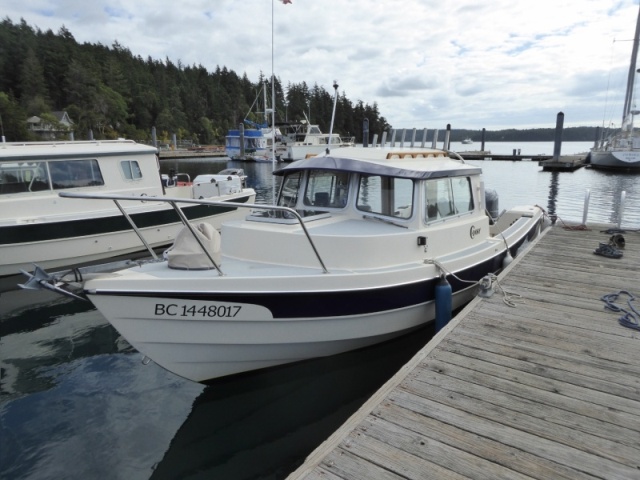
column 76, row 402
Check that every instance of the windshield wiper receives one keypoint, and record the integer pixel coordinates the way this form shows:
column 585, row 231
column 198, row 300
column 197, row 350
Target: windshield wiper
column 383, row 220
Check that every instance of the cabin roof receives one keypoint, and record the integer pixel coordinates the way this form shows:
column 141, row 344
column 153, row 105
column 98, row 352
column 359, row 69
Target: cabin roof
column 403, row 163
column 80, row 149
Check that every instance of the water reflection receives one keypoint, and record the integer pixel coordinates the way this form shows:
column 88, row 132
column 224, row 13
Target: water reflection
column 76, row 402
column 264, row 424
column 612, row 186
column 553, row 194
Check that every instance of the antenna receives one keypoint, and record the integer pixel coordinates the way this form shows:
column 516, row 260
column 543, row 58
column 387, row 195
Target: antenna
column 333, row 114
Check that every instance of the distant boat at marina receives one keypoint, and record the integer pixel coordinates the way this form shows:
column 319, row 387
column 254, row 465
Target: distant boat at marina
column 246, row 144
column 302, row 139
column 255, row 142
column 621, row 150
column 467, row 141
column 37, row 225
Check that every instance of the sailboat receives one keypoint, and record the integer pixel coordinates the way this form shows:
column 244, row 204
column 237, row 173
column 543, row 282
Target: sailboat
column 255, row 142
column 621, row 150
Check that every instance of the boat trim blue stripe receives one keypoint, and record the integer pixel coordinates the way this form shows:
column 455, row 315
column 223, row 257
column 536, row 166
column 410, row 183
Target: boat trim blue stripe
column 331, row 303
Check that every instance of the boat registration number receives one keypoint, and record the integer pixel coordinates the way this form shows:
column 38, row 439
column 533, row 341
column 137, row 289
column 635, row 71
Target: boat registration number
column 202, row 311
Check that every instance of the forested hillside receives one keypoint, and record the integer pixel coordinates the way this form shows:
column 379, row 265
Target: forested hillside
column 114, row 93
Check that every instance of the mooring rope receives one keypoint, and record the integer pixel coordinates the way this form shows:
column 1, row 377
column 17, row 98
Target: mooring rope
column 629, row 319
column 554, row 218
column 510, row 299
column 444, row 270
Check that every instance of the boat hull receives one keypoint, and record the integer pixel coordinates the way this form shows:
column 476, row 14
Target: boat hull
column 616, row 159
column 206, row 339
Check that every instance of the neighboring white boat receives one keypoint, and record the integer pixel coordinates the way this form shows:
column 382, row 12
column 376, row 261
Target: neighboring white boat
column 467, row 141
column 300, row 140
column 36, row 225
column 621, row 150
column 350, row 256
column 239, row 172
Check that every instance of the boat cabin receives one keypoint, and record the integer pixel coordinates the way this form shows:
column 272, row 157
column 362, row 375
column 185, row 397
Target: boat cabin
column 387, row 185
column 51, row 167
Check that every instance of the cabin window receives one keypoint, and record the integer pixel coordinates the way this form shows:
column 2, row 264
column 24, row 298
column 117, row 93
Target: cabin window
column 326, row 189
column 56, row 175
column 75, row 174
column 447, row 197
column 389, row 196
column 289, row 190
column 23, row 177
column 131, row 169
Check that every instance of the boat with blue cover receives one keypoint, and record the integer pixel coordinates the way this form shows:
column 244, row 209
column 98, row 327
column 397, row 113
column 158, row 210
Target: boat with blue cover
column 246, row 144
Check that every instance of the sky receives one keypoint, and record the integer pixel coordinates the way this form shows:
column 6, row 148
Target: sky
column 474, row 64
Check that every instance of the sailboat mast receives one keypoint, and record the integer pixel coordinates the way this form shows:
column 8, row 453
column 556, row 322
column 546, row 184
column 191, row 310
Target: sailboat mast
column 632, row 71
column 266, row 110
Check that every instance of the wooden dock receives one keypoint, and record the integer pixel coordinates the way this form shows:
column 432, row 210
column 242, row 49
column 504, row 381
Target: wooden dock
column 486, row 155
column 565, row 163
column 183, row 153
column 546, row 389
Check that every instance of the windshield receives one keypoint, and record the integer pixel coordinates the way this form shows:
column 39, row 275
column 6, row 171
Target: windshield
column 326, row 189
column 389, row 196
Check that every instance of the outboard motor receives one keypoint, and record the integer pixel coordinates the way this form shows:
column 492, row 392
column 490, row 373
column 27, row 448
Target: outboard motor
column 171, row 181
column 492, row 201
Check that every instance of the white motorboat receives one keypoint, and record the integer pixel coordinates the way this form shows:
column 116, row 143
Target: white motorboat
column 300, row 140
column 233, row 171
column 36, row 225
column 621, row 150
column 467, row 141
column 350, row 256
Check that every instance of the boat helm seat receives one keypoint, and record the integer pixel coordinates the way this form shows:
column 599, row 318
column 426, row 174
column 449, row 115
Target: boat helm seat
column 321, row 199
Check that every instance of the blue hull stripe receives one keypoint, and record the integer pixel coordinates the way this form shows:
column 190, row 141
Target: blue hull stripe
column 331, row 303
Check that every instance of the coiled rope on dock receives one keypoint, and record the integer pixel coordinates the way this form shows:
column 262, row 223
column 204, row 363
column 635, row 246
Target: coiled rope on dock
column 509, row 298
column 631, row 317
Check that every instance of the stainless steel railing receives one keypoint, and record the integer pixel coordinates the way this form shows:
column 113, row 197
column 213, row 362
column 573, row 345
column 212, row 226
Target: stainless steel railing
column 174, row 204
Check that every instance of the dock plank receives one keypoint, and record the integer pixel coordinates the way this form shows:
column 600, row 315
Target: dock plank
column 545, row 387
column 474, row 444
